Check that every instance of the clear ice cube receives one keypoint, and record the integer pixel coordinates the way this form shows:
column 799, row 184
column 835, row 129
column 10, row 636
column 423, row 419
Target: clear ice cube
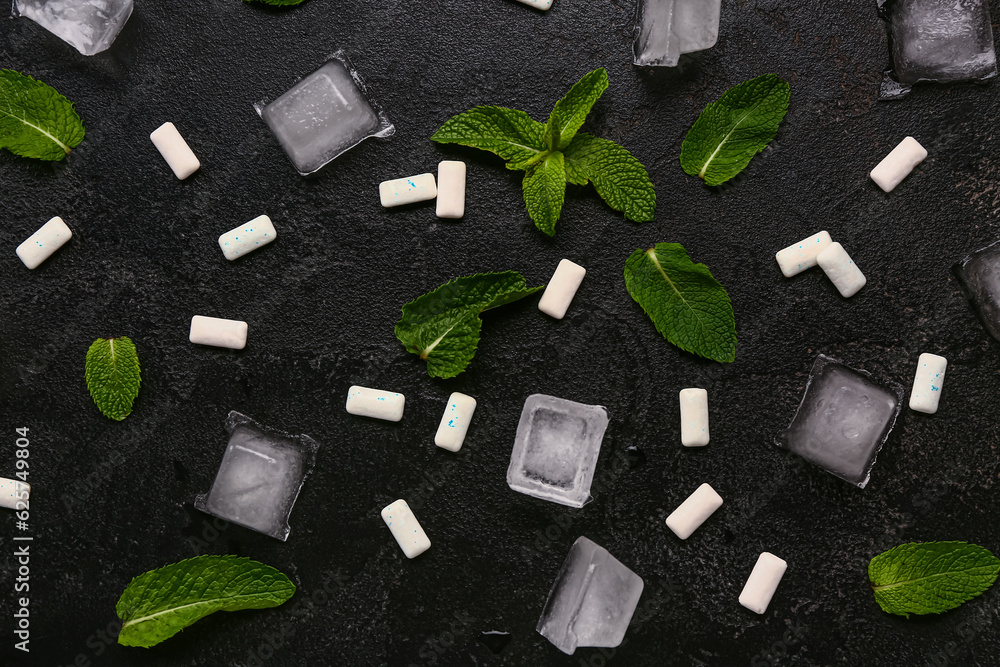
column 324, row 115
column 843, row 420
column 90, row 26
column 979, row 274
column 667, row 28
column 592, row 600
column 260, row 476
column 556, row 449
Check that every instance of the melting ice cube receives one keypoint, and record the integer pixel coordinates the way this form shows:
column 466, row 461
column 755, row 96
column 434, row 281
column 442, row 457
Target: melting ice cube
column 260, row 477
column 667, row 28
column 592, row 601
column 556, row 448
column 979, row 274
column 843, row 420
column 90, row 26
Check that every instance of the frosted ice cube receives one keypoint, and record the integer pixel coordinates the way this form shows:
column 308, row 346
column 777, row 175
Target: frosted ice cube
column 556, row 449
column 979, row 274
column 90, row 26
column 843, row 420
column 260, row 477
column 324, row 115
column 592, row 600
column 667, row 28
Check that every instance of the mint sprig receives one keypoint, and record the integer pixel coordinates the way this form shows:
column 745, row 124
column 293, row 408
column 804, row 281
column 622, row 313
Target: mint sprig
column 731, row 130
column 689, row 307
column 931, row 577
column 113, row 377
column 162, row 602
column 443, row 325
column 556, row 153
column 35, row 120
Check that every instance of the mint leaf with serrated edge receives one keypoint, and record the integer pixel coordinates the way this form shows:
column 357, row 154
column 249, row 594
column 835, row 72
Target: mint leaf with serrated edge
column 731, row 130
column 162, row 602
column 35, row 120
column 931, row 577
column 113, row 377
column 443, row 325
column 553, row 154
column 689, row 307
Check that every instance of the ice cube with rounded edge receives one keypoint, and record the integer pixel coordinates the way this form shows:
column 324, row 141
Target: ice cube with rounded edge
column 979, row 274
column 665, row 29
column 89, row 26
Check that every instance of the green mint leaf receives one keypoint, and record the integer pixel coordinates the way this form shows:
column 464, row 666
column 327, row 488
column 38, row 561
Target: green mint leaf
column 162, row 602
column 35, row 120
column 730, row 131
column 112, row 374
column 618, row 177
column 571, row 111
column 511, row 134
column 443, row 325
column 544, row 188
column 688, row 306
column 931, row 577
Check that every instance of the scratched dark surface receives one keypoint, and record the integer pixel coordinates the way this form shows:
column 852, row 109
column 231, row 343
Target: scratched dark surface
column 112, row 500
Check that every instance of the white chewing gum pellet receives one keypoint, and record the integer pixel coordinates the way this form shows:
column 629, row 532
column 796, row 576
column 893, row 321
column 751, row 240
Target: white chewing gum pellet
column 175, row 150
column 841, row 270
column 12, row 492
column 455, row 422
column 538, row 4
column 246, row 238
column 410, row 537
column 218, row 332
column 561, row 289
column 694, row 417
column 898, row 164
column 928, row 383
column 800, row 256
column 39, row 246
column 409, row 190
column 763, row 581
column 451, row 189
column 365, row 402
column 694, row 511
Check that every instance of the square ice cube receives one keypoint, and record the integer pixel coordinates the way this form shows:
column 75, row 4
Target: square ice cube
column 260, row 477
column 90, row 26
column 843, row 420
column 667, row 28
column 324, row 115
column 592, row 600
column 556, row 448
column 979, row 274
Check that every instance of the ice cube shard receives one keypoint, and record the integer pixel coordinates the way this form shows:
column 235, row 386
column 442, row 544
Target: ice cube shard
column 556, row 449
column 260, row 477
column 843, row 420
column 979, row 274
column 592, row 600
column 90, row 26
column 667, row 28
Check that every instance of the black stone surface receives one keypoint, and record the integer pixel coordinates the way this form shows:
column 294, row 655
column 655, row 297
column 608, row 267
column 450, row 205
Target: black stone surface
column 112, row 500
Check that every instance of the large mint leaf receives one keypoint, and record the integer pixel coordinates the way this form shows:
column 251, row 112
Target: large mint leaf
column 931, row 577
column 544, row 188
column 618, row 177
column 571, row 111
column 113, row 377
column 35, row 120
column 509, row 133
column 160, row 603
column 688, row 306
column 730, row 131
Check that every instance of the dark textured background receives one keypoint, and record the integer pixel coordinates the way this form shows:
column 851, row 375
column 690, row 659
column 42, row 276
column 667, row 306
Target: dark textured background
column 112, row 500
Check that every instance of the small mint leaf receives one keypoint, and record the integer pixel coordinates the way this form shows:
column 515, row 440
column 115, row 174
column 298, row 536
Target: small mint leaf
column 112, row 374
column 571, row 111
column 35, row 120
column 619, row 178
column 544, row 188
column 509, row 133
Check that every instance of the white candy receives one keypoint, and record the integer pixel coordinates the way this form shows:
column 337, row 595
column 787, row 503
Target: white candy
column 538, row 4
column 407, row 190
column 175, row 150
column 455, row 422
column 694, row 417
column 12, row 492
column 561, row 289
column 246, row 238
column 898, row 164
column 410, row 537
column 800, row 256
column 841, row 270
column 928, row 383
column 694, row 511
column 451, row 189
column 375, row 403
column 218, row 332
column 763, row 581
column 39, row 246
